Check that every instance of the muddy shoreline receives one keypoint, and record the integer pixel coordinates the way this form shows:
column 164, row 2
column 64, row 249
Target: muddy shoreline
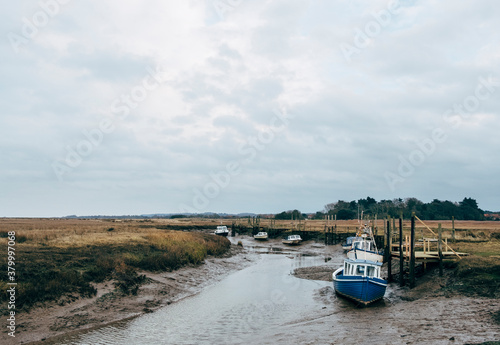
column 51, row 322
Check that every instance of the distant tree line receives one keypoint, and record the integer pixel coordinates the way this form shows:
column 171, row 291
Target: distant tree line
column 467, row 209
column 295, row 215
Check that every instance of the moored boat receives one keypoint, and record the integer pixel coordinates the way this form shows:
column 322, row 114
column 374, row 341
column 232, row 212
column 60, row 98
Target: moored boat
column 262, row 236
column 348, row 243
column 364, row 248
column 292, row 239
column 360, row 281
column 221, row 230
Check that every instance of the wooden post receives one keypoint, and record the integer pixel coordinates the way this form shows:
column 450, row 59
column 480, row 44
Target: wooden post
column 412, row 253
column 453, row 229
column 407, row 246
column 385, row 231
column 440, row 249
column 393, row 226
column 336, row 234
column 326, row 238
column 401, row 256
column 388, row 252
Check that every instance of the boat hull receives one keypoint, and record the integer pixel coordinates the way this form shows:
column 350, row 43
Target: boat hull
column 363, row 290
column 222, row 234
column 359, row 254
column 260, row 238
column 291, row 242
column 346, row 247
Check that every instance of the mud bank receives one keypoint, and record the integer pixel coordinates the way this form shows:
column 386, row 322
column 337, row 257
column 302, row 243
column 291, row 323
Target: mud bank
column 109, row 305
column 434, row 312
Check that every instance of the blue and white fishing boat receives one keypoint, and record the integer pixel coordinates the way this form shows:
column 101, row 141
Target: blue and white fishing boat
column 363, row 246
column 348, row 243
column 359, row 280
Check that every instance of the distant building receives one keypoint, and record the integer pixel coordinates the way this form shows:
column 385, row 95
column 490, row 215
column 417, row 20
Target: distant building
column 492, row 216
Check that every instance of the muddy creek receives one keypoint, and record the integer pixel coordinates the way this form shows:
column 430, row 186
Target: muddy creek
column 265, row 304
column 252, row 301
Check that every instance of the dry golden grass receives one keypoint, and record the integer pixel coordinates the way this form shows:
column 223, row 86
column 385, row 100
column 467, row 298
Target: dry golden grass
column 62, row 256
column 75, row 232
column 85, row 232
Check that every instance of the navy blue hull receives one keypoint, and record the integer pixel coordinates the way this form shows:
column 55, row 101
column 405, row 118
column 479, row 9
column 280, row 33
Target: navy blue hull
column 363, row 290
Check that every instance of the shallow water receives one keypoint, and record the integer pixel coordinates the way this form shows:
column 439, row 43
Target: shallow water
column 252, row 301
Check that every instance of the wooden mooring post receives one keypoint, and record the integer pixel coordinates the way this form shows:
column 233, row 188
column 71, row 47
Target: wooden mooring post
column 401, row 254
column 453, row 229
column 440, row 249
column 412, row 252
column 387, row 251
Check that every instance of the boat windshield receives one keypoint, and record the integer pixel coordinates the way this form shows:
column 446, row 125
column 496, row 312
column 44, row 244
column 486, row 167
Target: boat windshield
column 361, row 270
column 362, row 245
column 371, row 271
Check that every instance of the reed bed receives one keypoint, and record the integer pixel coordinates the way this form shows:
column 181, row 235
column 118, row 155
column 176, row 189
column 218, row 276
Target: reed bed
column 60, row 260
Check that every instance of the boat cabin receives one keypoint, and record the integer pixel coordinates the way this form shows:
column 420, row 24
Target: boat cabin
column 364, row 244
column 362, row 268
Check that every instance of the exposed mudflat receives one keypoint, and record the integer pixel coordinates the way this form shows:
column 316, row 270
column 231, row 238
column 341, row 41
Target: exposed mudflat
column 427, row 314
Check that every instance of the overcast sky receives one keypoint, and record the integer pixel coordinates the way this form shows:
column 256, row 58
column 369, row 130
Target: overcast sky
column 113, row 107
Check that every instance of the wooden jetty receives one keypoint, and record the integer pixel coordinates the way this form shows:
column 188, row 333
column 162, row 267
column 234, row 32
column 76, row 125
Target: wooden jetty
column 427, row 250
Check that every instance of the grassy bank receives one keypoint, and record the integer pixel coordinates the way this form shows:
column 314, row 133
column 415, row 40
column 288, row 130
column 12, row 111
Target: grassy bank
column 57, row 261
column 475, row 276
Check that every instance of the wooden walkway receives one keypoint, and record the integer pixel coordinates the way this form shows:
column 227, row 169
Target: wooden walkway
column 431, row 256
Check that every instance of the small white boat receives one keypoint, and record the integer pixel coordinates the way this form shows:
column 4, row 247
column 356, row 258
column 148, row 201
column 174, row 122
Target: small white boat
column 221, row 230
column 292, row 239
column 262, row 236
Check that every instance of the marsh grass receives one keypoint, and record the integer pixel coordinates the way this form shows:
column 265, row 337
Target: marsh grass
column 476, row 275
column 57, row 260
